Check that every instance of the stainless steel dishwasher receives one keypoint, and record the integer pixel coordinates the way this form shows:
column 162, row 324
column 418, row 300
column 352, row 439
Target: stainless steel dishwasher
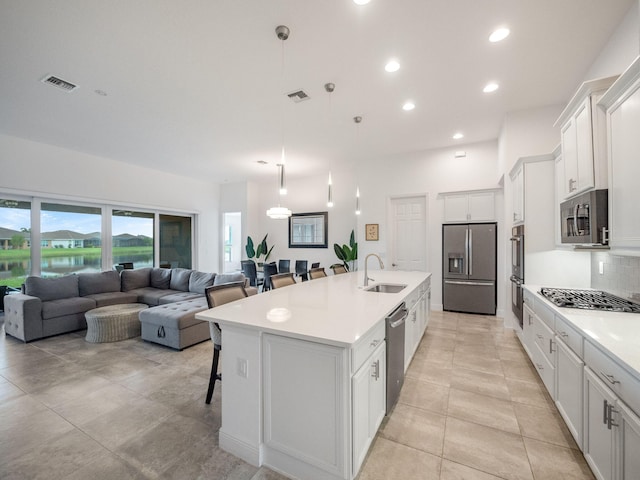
column 395, row 354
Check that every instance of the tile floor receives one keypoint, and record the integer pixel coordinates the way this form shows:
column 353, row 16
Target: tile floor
column 472, row 407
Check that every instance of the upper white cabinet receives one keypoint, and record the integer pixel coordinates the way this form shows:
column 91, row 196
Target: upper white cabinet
column 477, row 206
column 583, row 139
column 622, row 103
column 518, row 195
column 533, row 201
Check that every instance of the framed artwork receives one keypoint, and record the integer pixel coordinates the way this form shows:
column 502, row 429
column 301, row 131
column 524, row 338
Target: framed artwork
column 371, row 231
column 308, row 230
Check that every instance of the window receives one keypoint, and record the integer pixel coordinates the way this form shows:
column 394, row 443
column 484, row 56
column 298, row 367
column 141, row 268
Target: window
column 15, row 242
column 175, row 241
column 232, row 245
column 132, row 237
column 71, row 239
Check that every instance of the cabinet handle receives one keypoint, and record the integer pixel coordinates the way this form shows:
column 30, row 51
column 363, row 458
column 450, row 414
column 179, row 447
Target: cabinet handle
column 605, row 413
column 374, row 343
column 563, row 334
column 605, row 238
column 415, row 317
column 571, row 183
column 539, row 336
column 610, row 422
column 612, row 380
column 551, row 342
column 540, row 367
column 376, row 369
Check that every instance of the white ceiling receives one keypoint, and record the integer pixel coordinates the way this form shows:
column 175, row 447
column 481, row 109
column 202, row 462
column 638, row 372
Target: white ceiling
column 196, row 87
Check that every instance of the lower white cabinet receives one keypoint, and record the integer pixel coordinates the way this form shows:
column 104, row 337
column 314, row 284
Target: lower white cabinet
column 368, row 386
column 612, row 432
column 527, row 329
column 569, row 389
column 598, row 433
column 629, row 452
column 543, row 354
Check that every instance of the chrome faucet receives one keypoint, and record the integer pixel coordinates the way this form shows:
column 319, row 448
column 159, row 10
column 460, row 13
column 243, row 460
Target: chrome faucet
column 366, row 274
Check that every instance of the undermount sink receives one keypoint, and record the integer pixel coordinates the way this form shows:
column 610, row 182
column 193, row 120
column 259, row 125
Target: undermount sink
column 386, row 288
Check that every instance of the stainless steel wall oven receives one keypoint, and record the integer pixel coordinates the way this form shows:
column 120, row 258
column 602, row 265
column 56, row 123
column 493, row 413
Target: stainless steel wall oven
column 517, row 271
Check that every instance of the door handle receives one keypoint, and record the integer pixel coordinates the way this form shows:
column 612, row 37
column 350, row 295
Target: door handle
column 470, row 262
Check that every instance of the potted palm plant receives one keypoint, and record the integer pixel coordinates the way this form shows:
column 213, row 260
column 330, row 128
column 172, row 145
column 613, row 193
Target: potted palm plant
column 348, row 254
column 262, row 249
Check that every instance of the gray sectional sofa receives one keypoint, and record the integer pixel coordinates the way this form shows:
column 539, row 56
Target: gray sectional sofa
column 51, row 306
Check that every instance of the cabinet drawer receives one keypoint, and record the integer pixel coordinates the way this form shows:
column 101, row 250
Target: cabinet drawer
column 544, row 339
column 546, row 314
column 529, row 299
column 545, row 370
column 366, row 345
column 625, row 385
column 569, row 335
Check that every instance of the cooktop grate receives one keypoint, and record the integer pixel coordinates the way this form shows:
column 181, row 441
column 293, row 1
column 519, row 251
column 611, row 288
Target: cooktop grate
column 589, row 300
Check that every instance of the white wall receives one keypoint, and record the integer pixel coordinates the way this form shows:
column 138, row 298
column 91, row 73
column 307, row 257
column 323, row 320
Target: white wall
column 38, row 169
column 621, row 49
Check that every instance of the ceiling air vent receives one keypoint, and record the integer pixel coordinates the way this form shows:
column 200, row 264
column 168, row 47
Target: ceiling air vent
column 298, row 96
column 58, row 82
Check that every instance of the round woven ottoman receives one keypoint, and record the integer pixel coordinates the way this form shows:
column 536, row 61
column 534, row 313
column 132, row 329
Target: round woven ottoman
column 113, row 323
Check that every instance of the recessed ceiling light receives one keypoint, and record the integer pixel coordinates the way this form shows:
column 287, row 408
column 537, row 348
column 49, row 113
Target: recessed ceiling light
column 392, row 66
column 408, row 106
column 361, row 2
column 499, row 34
column 490, row 87
column 457, row 136
column 102, row 93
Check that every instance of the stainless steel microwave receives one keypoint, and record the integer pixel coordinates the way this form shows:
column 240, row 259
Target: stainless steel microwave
column 584, row 218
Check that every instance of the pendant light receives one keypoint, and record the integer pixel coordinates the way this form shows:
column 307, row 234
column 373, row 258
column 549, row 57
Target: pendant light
column 329, row 88
column 280, row 212
column 358, row 119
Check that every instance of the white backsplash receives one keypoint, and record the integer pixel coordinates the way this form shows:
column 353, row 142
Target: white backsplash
column 620, row 275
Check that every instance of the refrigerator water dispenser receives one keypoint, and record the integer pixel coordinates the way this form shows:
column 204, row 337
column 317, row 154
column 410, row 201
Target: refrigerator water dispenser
column 456, row 263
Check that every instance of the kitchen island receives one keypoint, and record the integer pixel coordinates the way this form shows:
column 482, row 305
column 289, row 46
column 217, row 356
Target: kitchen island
column 304, row 370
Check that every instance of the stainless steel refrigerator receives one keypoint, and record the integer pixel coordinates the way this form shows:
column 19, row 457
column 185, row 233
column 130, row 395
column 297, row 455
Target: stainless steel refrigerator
column 469, row 267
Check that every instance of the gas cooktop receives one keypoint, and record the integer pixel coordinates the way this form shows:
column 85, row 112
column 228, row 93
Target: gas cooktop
column 589, row 300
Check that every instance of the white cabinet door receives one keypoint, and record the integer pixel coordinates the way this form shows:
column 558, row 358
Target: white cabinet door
column 527, row 330
column 411, row 332
column 584, row 146
column 368, row 387
column 628, row 461
column 377, row 389
column 469, row 207
column 624, row 172
column 482, row 207
column 598, row 435
column 570, row 156
column 518, row 196
column 456, row 208
column 569, row 389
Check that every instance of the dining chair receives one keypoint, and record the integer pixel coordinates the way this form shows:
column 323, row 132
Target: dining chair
column 301, row 270
column 282, row 280
column 317, row 273
column 269, row 270
column 219, row 295
column 315, row 265
column 338, row 269
column 284, row 266
column 126, row 265
column 251, row 272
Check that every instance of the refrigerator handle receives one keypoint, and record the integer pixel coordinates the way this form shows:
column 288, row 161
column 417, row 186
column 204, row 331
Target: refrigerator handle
column 470, row 261
column 466, row 251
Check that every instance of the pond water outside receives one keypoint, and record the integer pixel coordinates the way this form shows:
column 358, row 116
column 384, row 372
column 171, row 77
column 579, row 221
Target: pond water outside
column 12, row 272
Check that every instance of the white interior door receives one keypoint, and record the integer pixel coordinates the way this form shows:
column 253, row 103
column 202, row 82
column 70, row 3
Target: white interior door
column 408, row 236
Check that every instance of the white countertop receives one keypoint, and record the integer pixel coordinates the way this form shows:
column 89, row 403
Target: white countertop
column 616, row 332
column 334, row 310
